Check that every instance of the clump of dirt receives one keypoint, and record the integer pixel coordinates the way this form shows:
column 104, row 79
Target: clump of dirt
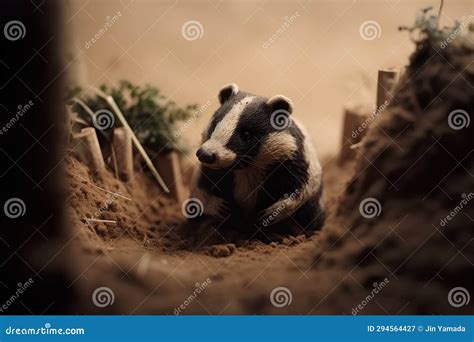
column 220, row 251
column 414, row 170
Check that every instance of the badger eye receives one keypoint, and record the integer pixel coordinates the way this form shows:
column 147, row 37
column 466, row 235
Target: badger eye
column 246, row 135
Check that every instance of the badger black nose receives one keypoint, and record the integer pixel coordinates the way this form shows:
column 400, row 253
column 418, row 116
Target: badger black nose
column 205, row 157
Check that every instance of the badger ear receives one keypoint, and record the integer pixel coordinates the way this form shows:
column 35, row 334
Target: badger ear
column 227, row 92
column 280, row 102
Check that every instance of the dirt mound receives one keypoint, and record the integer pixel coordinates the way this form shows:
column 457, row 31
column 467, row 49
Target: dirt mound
column 137, row 209
column 405, row 215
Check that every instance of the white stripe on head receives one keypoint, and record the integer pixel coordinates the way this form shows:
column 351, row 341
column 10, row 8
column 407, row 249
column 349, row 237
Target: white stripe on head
column 223, row 132
column 226, row 127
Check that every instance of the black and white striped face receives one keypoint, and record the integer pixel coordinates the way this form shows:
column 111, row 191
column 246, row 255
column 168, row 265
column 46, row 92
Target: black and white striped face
column 246, row 130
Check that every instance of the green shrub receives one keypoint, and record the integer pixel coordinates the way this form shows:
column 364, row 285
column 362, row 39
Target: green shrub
column 153, row 119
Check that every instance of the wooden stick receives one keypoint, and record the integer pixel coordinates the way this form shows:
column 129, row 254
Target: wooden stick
column 100, row 221
column 385, row 82
column 114, row 160
column 83, row 105
column 439, row 13
column 93, row 153
column 138, row 145
column 98, row 187
column 354, row 128
column 169, row 167
column 354, row 146
column 122, row 143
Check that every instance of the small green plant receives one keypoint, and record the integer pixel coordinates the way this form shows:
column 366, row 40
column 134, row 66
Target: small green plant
column 151, row 116
column 430, row 39
column 426, row 27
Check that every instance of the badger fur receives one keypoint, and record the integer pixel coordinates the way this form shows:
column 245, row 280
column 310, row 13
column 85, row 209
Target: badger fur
column 258, row 167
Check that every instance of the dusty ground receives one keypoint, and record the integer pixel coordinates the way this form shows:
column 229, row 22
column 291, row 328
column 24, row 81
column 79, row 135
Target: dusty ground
column 152, row 264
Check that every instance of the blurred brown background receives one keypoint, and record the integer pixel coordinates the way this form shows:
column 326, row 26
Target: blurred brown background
column 318, row 58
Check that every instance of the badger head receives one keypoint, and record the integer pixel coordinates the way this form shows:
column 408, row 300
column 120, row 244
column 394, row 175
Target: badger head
column 247, row 130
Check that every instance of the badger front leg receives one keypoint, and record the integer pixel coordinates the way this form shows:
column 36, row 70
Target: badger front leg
column 212, row 208
column 278, row 211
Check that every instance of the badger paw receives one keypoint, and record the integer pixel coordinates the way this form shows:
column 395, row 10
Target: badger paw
column 270, row 214
column 276, row 212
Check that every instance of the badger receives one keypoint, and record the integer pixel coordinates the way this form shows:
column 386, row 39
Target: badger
column 258, row 168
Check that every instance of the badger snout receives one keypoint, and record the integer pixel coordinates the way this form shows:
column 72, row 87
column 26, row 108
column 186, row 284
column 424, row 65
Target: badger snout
column 205, row 156
column 214, row 155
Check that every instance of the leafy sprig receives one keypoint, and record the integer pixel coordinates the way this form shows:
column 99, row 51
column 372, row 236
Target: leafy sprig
column 152, row 117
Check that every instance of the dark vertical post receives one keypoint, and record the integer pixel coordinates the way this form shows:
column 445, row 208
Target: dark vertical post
column 34, row 244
